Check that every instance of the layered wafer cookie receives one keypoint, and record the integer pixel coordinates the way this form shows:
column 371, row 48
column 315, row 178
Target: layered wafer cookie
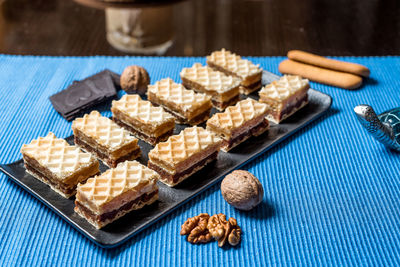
column 321, row 75
column 240, row 122
column 116, row 192
column 328, row 63
column 184, row 154
column 62, row 166
column 232, row 64
column 105, row 139
column 285, row 96
column 187, row 106
column 223, row 89
column 145, row 121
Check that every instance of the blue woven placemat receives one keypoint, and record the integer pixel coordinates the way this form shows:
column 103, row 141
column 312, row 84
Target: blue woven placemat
column 331, row 191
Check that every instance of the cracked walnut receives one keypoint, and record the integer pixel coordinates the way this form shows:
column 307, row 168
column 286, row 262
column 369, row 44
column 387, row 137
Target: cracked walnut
column 203, row 228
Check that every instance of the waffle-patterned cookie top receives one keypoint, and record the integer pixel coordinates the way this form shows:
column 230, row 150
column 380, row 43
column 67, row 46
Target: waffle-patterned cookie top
column 142, row 110
column 180, row 147
column 286, row 86
column 169, row 91
column 57, row 155
column 114, row 182
column 233, row 63
column 209, row 78
column 103, row 130
column 235, row 116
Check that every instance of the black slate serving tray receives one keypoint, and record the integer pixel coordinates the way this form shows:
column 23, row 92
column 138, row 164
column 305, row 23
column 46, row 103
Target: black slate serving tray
column 170, row 198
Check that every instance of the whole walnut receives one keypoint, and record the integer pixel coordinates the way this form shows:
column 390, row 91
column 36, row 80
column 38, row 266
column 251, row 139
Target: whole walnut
column 135, row 79
column 242, row 190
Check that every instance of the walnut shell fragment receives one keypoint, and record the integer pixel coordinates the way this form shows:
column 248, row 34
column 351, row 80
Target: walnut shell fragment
column 135, row 79
column 242, row 190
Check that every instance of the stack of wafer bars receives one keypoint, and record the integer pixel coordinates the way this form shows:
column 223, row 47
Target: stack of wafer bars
column 187, row 106
column 105, row 139
column 284, row 97
column 62, row 166
column 118, row 191
column 184, row 154
column 223, row 89
column 145, row 121
column 238, row 123
column 232, row 64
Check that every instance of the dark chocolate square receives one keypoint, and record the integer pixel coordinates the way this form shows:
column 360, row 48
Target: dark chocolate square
column 102, row 81
column 82, row 95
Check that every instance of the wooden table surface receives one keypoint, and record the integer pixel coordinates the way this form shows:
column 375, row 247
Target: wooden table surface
column 252, row 27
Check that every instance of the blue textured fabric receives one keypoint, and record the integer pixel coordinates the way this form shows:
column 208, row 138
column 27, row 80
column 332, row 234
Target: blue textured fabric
column 331, row 191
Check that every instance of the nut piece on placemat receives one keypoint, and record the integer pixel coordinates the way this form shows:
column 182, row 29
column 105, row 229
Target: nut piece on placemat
column 135, row 79
column 242, row 190
column 203, row 229
column 235, row 234
column 196, row 229
column 223, row 230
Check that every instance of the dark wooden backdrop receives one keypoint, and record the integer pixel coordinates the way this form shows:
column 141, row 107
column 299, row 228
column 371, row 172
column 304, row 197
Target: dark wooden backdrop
column 252, row 27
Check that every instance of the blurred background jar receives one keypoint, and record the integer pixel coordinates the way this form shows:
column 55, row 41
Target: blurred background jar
column 145, row 30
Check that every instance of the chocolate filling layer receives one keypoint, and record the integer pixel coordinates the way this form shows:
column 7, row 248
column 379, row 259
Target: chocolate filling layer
column 194, row 121
column 228, row 144
column 289, row 109
column 99, row 218
column 150, row 139
column 110, row 162
column 59, row 186
column 223, row 105
column 252, row 87
column 174, row 178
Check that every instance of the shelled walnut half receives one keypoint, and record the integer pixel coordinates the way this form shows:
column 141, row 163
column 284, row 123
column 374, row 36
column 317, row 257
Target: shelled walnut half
column 223, row 230
column 203, row 229
column 196, row 229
